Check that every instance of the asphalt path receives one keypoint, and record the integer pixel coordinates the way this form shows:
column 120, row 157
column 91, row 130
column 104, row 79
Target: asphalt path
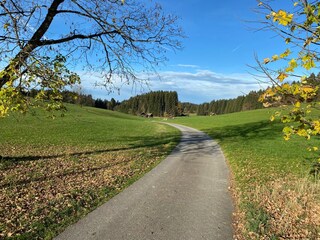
column 185, row 197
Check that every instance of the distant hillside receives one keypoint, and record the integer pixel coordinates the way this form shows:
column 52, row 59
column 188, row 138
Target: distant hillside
column 159, row 103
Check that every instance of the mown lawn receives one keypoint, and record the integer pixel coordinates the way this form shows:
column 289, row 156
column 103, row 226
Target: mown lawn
column 54, row 171
column 275, row 196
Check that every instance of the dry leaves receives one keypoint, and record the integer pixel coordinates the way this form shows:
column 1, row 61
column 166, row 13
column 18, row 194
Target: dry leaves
column 292, row 208
column 48, row 187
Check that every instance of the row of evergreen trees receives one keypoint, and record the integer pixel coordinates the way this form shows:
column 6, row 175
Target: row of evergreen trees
column 88, row 100
column 164, row 103
column 186, row 108
column 241, row 103
column 159, row 103
column 106, row 104
column 81, row 99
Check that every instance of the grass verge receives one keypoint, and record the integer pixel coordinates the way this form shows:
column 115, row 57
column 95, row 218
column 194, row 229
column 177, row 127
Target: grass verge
column 53, row 172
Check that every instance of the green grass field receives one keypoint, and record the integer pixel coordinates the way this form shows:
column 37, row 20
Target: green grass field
column 53, row 171
column 249, row 137
column 266, row 171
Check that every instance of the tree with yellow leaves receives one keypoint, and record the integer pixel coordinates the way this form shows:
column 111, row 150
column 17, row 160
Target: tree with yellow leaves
column 300, row 30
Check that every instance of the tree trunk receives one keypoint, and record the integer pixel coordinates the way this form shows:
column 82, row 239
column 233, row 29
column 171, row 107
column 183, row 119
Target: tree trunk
column 32, row 44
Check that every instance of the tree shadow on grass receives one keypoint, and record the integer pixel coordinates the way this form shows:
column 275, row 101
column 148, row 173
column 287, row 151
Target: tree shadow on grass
column 248, row 131
column 64, row 174
column 137, row 143
column 256, row 132
column 134, row 143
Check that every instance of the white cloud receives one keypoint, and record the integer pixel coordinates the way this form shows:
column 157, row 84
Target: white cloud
column 205, row 85
column 200, row 86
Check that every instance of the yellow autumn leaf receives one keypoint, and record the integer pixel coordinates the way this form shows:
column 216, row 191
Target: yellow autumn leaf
column 266, row 60
column 275, row 57
column 308, row 89
column 315, row 148
column 297, row 104
column 6, row 25
column 285, row 53
column 289, row 69
column 277, row 113
column 269, row 92
column 295, row 90
column 282, row 17
column 282, row 76
column 309, row 64
column 316, row 126
column 308, row 41
column 306, row 58
column 287, row 130
column 292, row 65
column 266, row 104
column 286, row 87
column 272, row 118
column 304, row 80
column 303, row 133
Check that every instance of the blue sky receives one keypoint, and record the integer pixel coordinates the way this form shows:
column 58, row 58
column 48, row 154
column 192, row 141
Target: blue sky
column 220, row 44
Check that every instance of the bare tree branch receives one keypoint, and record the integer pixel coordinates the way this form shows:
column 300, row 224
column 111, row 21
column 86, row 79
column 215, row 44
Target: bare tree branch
column 121, row 37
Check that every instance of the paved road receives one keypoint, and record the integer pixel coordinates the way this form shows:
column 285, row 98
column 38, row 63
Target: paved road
column 185, row 197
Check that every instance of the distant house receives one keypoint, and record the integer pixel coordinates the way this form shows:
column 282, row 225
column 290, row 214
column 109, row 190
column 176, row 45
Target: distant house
column 146, row 115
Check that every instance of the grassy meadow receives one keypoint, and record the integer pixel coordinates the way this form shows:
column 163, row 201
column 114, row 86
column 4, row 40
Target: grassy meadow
column 275, row 196
column 54, row 171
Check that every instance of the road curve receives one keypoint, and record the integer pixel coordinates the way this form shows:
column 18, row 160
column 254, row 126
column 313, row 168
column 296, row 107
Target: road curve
column 185, row 197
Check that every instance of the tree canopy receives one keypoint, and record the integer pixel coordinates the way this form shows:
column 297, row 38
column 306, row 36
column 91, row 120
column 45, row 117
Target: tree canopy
column 44, row 43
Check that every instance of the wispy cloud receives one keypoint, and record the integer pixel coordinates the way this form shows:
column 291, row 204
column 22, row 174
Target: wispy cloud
column 236, row 48
column 188, row 66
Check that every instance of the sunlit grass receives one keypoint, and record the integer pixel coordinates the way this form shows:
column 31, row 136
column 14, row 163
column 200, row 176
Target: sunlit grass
column 54, row 171
column 258, row 157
